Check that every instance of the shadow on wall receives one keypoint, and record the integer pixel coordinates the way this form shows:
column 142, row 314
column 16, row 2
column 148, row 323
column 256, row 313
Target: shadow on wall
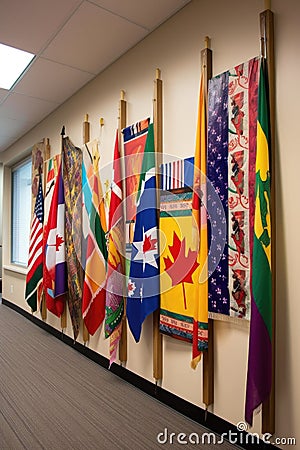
column 284, row 357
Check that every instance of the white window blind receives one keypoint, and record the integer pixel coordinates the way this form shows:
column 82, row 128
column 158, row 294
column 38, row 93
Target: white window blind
column 21, row 212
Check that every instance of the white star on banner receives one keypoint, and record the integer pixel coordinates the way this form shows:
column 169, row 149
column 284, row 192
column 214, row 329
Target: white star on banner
column 147, row 248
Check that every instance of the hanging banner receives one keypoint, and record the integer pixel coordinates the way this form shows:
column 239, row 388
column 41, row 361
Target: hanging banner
column 39, row 154
column 72, row 179
column 134, row 139
column 94, row 248
column 179, row 266
column 232, row 114
column 51, row 171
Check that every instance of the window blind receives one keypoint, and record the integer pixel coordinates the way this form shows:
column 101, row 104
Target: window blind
column 21, row 212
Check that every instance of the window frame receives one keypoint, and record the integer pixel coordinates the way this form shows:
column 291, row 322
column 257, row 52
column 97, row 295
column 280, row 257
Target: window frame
column 14, row 263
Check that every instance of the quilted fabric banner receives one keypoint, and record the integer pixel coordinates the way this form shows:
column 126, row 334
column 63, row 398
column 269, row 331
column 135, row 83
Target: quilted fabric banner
column 179, row 267
column 259, row 376
column 217, row 173
column 134, row 138
column 114, row 308
column 232, row 114
column 72, row 166
column 94, row 250
column 143, row 282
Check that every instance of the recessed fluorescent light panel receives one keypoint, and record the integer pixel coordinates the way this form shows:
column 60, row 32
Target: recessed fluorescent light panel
column 13, row 62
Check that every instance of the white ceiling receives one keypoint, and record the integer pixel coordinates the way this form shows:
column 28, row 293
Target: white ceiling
column 74, row 40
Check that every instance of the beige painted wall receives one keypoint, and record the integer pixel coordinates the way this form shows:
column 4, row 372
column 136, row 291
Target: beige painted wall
column 175, row 48
column 1, row 210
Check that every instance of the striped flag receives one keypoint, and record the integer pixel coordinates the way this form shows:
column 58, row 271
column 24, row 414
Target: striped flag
column 177, row 174
column 115, row 268
column 94, row 229
column 259, row 377
column 34, row 276
column 143, row 283
column 199, row 201
column 50, row 180
column 55, row 270
column 51, row 174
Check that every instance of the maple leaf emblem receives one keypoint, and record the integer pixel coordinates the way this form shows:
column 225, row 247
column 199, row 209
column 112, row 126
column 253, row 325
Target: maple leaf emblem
column 131, row 287
column 182, row 267
column 149, row 244
column 146, row 249
column 59, row 242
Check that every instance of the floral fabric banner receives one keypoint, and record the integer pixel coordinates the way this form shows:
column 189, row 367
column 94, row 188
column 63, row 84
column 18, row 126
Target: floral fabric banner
column 232, row 113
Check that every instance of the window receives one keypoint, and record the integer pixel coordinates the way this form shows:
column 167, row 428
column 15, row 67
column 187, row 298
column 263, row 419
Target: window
column 21, row 212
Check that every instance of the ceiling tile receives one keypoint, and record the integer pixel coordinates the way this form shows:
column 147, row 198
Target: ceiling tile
column 30, row 24
column 92, row 39
column 74, row 40
column 51, row 81
column 149, row 15
column 18, row 107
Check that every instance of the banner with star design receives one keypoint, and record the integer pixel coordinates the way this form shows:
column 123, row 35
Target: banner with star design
column 143, row 282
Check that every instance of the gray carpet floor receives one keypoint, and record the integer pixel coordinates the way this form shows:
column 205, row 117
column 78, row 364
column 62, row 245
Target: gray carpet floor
column 52, row 397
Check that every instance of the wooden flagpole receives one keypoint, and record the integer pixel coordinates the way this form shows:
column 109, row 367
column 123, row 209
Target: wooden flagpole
column 157, row 125
column 267, row 41
column 86, row 129
column 208, row 356
column 121, row 125
column 86, row 138
column 63, row 317
column 46, row 157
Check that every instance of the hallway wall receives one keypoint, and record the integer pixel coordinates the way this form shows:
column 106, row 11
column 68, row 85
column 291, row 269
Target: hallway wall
column 175, row 48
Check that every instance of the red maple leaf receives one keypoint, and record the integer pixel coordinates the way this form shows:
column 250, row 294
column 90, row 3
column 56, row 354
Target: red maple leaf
column 181, row 269
column 131, row 288
column 59, row 242
column 149, row 244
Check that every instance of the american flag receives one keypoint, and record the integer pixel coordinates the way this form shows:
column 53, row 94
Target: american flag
column 34, row 276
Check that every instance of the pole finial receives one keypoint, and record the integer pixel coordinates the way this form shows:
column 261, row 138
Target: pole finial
column 267, row 4
column 86, row 118
column 63, row 131
column 122, row 95
column 207, row 42
column 157, row 74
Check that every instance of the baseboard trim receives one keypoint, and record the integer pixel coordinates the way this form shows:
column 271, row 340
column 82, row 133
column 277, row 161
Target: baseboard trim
column 207, row 419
